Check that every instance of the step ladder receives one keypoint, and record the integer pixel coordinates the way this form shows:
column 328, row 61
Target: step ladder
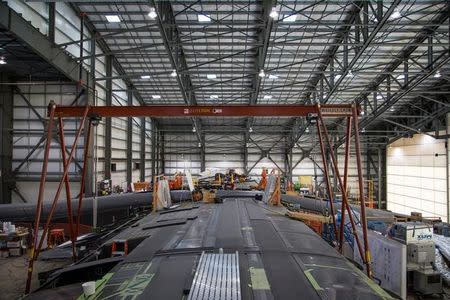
column 119, row 248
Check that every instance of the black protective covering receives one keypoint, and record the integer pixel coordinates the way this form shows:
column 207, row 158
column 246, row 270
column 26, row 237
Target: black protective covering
column 110, row 208
column 279, row 258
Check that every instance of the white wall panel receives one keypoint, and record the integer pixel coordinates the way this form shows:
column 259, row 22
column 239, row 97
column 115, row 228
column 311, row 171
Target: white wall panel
column 417, row 176
column 25, row 119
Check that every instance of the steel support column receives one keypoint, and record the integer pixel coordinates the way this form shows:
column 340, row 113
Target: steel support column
column 142, row 151
column 381, row 176
column 51, row 21
column 245, row 153
column 129, row 150
column 154, row 148
column 448, row 163
column 108, row 129
column 162, row 161
column 202, row 154
column 90, row 95
column 6, row 124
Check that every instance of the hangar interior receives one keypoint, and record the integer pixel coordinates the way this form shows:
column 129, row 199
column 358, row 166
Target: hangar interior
column 387, row 60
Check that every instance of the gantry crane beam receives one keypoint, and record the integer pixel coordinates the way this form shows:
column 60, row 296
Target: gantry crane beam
column 329, row 110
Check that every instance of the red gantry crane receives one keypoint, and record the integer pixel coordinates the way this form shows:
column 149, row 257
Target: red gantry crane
column 91, row 114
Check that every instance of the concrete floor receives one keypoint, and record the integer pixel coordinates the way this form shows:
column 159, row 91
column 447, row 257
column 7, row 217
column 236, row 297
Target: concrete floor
column 13, row 275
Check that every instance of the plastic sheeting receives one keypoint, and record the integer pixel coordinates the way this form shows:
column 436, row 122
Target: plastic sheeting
column 442, row 251
column 163, row 193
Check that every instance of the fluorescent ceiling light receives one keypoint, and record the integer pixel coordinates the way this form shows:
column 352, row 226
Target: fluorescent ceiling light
column 145, row 76
column 437, row 75
column 250, row 129
column 337, row 76
column 211, row 76
column 2, row 61
column 272, row 76
column 261, row 73
column 307, row 129
column 400, row 76
column 156, row 97
column 204, row 18
column 152, row 14
column 113, row 18
column 395, row 15
column 194, row 129
column 290, row 18
column 349, row 74
column 214, row 97
column 267, row 97
column 391, row 109
column 174, row 73
column 379, row 97
column 273, row 14
column 199, row 145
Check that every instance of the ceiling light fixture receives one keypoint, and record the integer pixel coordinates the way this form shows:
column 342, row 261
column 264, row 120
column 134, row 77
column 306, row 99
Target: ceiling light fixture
column 113, row 18
column 307, row 130
column 194, row 129
column 349, row 74
column 199, row 145
column 174, row 73
column 391, row 109
column 261, row 73
column 204, row 18
column 400, row 76
column 267, row 97
column 152, row 14
column 273, row 14
column 211, row 76
column 396, row 14
column 250, row 129
column 290, row 18
column 2, row 61
column 145, row 76
column 437, row 75
column 214, row 96
column 362, row 113
column 272, row 76
column 156, row 97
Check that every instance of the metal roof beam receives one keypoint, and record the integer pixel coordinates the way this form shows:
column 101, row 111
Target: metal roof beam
column 169, row 32
column 40, row 44
column 263, row 39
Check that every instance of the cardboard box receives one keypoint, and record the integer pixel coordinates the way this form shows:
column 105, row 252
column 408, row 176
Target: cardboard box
column 15, row 251
column 14, row 244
